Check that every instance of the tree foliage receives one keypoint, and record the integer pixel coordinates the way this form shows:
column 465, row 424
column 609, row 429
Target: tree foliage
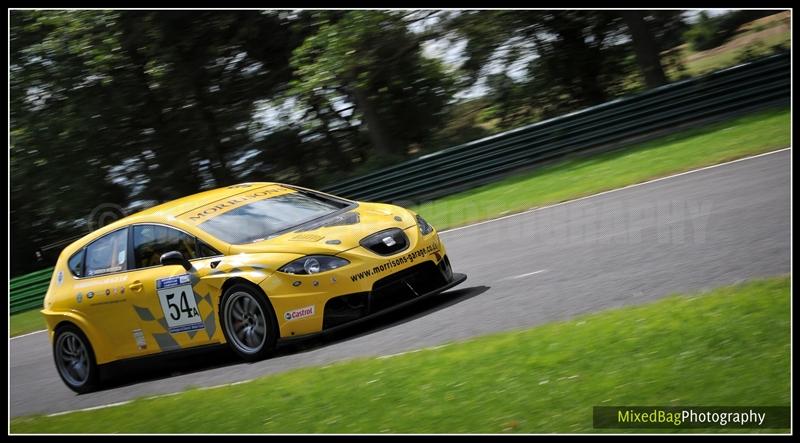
column 374, row 63
column 710, row 32
column 134, row 107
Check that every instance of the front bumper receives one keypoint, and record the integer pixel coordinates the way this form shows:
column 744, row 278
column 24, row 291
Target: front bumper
column 334, row 323
column 307, row 304
column 418, row 281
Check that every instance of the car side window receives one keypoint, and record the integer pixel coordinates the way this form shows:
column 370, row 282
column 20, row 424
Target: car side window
column 75, row 264
column 151, row 241
column 107, row 254
column 205, row 250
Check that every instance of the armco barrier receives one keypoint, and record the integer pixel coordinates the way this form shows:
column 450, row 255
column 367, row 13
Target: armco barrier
column 27, row 291
column 750, row 86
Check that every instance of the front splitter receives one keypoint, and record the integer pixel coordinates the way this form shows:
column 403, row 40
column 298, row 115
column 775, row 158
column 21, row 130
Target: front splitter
column 457, row 280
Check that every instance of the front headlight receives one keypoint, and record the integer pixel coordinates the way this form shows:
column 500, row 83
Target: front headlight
column 313, row 264
column 424, row 227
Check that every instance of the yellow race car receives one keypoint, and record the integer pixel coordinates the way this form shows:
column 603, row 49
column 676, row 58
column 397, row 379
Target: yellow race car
column 244, row 265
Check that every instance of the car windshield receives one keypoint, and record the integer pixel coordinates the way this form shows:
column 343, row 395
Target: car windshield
column 263, row 218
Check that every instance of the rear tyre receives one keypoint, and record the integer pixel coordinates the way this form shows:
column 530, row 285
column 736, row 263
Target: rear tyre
column 248, row 322
column 74, row 358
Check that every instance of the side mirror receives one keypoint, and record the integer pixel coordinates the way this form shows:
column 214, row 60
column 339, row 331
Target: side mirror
column 175, row 258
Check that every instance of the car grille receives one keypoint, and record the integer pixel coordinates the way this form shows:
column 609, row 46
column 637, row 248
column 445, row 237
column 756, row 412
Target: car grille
column 345, row 308
column 389, row 291
column 387, row 242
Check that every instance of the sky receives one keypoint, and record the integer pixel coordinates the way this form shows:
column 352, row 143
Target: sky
column 452, row 55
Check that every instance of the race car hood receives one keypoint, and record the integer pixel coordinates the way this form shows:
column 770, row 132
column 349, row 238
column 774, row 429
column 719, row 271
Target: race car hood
column 334, row 234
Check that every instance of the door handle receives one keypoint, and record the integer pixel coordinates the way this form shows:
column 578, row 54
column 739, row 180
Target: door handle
column 135, row 286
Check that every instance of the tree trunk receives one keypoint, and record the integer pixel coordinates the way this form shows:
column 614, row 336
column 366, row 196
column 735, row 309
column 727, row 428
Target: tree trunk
column 173, row 176
column 646, row 48
column 381, row 141
column 213, row 143
column 582, row 64
column 343, row 163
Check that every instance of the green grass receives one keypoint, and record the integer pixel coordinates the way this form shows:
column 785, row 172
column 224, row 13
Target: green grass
column 735, row 56
column 25, row 322
column 729, row 346
column 717, row 143
column 750, row 41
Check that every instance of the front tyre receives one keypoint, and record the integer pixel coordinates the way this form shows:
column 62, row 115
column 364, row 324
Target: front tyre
column 248, row 322
column 74, row 359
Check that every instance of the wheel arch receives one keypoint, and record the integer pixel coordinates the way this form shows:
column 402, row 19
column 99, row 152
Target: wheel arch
column 257, row 292
column 241, row 280
column 97, row 341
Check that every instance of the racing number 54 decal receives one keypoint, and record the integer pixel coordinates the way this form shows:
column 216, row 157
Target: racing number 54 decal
column 178, row 303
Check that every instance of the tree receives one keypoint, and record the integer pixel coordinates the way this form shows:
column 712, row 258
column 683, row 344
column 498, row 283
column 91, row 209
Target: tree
column 201, row 74
column 117, row 106
column 573, row 58
column 66, row 127
column 372, row 61
column 648, row 54
column 710, row 32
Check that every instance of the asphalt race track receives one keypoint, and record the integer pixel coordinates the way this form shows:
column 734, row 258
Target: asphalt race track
column 691, row 232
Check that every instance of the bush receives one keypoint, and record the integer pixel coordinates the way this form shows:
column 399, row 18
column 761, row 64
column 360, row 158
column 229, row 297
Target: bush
column 710, row 32
column 704, row 34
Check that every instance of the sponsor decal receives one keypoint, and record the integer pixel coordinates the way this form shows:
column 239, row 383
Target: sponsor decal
column 308, row 311
column 79, row 297
column 179, row 304
column 110, row 302
column 138, row 335
column 60, row 278
column 307, row 237
column 116, row 293
column 432, row 248
column 202, row 214
column 106, row 281
column 104, row 270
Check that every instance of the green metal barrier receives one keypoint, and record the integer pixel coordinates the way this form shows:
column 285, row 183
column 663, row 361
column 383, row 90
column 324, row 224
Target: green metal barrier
column 731, row 91
column 747, row 87
column 27, row 291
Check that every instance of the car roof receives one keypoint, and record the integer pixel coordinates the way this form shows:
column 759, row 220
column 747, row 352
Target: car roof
column 171, row 209
column 183, row 205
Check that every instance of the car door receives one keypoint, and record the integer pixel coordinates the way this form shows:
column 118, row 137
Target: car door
column 173, row 305
column 103, row 289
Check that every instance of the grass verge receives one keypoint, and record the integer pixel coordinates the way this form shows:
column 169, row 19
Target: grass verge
column 566, row 180
column 26, row 322
column 716, row 143
column 757, row 38
column 749, row 52
column 729, row 346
